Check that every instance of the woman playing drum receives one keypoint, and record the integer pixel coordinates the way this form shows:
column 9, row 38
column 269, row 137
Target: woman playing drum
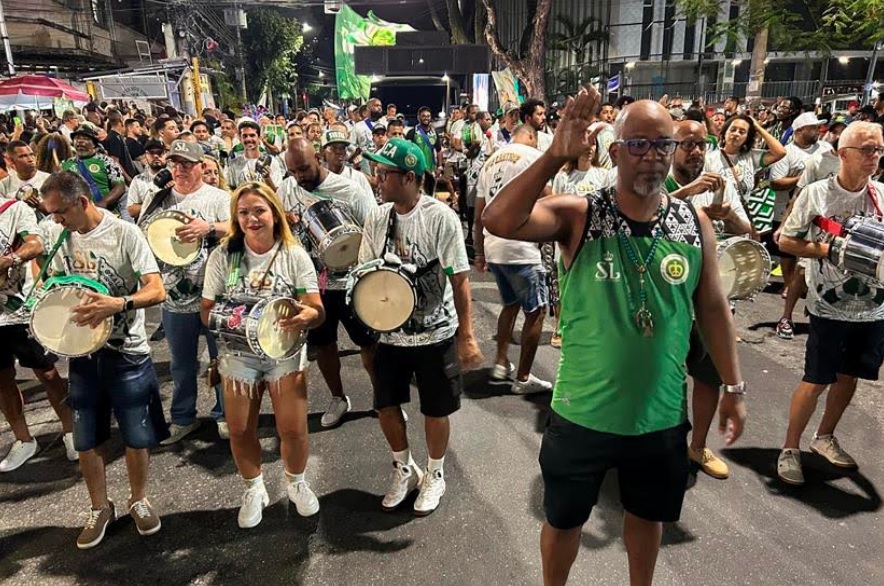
column 261, row 258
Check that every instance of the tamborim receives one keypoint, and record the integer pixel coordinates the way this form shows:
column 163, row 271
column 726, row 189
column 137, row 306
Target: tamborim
column 334, row 233
column 744, row 267
column 249, row 326
column 50, row 320
column 164, row 242
column 382, row 296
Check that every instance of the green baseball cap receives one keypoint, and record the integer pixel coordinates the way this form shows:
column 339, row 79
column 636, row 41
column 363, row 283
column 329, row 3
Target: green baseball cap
column 400, row 153
column 334, row 137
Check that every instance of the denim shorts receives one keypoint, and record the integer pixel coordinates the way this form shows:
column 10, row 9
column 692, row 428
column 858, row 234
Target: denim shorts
column 522, row 284
column 247, row 371
column 123, row 384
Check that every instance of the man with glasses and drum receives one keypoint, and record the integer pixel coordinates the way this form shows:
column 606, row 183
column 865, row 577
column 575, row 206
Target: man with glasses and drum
column 639, row 266
column 327, row 211
column 182, row 223
column 259, row 298
column 144, row 186
column 420, row 239
column 253, row 163
column 107, row 265
column 19, row 245
column 719, row 201
column 846, row 307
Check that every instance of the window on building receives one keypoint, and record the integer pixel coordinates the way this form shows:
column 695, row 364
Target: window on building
column 99, row 12
column 690, row 37
column 647, row 28
column 668, row 28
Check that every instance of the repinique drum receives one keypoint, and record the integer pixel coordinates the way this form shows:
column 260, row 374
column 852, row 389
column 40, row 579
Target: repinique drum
column 744, row 267
column 382, row 296
column 50, row 320
column 863, row 250
column 164, row 242
column 249, row 326
column 334, row 233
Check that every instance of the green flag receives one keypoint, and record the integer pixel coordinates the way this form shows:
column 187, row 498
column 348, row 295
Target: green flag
column 351, row 31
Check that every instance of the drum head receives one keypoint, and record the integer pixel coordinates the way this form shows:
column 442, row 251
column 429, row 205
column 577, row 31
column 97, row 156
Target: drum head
column 343, row 252
column 383, row 300
column 744, row 267
column 275, row 342
column 51, row 325
column 165, row 244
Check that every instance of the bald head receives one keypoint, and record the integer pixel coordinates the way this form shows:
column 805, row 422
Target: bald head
column 525, row 134
column 688, row 160
column 301, row 161
column 689, row 128
column 638, row 113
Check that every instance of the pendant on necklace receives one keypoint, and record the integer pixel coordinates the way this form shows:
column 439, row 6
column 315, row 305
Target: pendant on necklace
column 644, row 321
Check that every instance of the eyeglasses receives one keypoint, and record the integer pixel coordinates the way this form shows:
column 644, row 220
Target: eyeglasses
column 867, row 151
column 186, row 165
column 639, row 147
column 381, row 174
column 689, row 145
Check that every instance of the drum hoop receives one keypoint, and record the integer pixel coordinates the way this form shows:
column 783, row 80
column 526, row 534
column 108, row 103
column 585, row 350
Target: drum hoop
column 173, row 215
column 725, row 245
column 373, row 267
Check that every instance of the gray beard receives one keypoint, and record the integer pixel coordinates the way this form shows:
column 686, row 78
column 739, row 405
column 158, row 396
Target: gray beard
column 648, row 188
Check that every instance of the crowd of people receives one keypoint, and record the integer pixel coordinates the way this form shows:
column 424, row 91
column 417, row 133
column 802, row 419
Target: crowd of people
column 605, row 216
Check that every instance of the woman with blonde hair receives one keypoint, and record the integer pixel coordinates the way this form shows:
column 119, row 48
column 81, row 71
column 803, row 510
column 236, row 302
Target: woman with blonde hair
column 212, row 173
column 262, row 259
column 51, row 150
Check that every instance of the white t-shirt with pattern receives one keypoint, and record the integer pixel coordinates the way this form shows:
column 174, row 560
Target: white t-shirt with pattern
column 292, row 274
column 10, row 185
column 831, row 292
column 184, row 284
column 18, row 220
column 115, row 253
column 430, row 232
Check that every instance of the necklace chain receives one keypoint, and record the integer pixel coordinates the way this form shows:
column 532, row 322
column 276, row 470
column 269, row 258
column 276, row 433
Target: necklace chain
column 642, row 315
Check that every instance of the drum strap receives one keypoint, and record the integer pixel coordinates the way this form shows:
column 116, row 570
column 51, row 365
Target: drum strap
column 6, row 205
column 235, row 259
column 157, row 202
column 43, row 270
column 390, row 238
column 830, row 226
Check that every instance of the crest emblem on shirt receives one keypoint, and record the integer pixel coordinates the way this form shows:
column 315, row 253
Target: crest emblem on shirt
column 675, row 269
column 94, row 168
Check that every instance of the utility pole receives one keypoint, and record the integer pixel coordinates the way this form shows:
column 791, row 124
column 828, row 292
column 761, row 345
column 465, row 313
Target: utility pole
column 6, row 47
column 240, row 62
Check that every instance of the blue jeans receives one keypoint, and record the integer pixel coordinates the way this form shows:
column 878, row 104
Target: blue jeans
column 183, row 333
column 123, row 384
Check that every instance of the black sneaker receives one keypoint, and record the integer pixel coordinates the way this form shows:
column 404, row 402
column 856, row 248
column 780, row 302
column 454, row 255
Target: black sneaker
column 785, row 329
column 159, row 335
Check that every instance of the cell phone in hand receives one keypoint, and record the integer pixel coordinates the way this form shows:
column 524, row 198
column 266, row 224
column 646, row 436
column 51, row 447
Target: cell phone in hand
column 17, row 121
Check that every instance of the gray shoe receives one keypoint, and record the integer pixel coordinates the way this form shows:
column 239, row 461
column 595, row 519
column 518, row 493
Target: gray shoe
column 829, row 449
column 179, row 432
column 789, row 467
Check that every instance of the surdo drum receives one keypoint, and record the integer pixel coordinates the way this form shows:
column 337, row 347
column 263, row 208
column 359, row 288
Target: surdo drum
column 334, row 233
column 383, row 296
column 164, row 242
column 744, row 267
column 249, row 326
column 50, row 317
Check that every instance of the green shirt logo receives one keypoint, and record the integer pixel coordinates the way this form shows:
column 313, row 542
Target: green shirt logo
column 675, row 269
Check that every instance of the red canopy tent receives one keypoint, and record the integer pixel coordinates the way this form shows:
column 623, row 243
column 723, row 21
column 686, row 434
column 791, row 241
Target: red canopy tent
column 36, row 92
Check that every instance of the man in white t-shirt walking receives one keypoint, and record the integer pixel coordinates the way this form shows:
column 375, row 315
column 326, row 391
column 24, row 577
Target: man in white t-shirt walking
column 517, row 268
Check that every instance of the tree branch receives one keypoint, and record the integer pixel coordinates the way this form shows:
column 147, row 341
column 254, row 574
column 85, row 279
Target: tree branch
column 455, row 20
column 434, row 14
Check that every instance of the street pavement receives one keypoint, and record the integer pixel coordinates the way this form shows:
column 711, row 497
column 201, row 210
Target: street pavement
column 749, row 529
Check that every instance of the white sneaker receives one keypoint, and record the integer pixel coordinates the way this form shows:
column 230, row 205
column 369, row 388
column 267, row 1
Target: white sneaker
column 223, row 430
column 253, row 502
column 404, row 480
column 179, row 432
column 531, row 386
column 337, row 408
column 304, row 498
column 71, row 453
column 503, row 373
column 20, row 453
column 432, row 489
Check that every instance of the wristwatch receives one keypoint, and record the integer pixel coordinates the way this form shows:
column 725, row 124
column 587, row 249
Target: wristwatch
column 737, row 389
column 130, row 303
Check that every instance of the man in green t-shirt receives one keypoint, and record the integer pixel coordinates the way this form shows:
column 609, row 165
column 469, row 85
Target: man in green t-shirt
column 425, row 137
column 639, row 265
column 102, row 174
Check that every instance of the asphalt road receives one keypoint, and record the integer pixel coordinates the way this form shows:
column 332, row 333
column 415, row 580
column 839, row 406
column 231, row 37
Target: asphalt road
column 749, row 529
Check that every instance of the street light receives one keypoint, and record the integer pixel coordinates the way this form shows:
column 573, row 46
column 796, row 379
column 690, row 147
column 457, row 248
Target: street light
column 305, row 27
column 447, row 80
column 843, row 60
column 737, row 62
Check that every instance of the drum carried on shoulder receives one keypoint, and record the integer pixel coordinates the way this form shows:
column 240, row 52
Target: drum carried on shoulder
column 250, row 326
column 744, row 267
column 162, row 237
column 50, row 322
column 334, row 234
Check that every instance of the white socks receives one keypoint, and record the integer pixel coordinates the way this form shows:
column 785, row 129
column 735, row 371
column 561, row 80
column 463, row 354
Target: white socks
column 434, row 465
column 294, row 478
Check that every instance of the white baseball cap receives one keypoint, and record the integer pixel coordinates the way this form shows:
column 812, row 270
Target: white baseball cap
column 806, row 119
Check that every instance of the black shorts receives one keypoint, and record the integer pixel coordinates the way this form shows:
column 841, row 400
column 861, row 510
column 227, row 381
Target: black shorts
column 699, row 362
column 337, row 311
column 435, row 368
column 16, row 343
column 652, row 469
column 772, row 248
column 842, row 347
